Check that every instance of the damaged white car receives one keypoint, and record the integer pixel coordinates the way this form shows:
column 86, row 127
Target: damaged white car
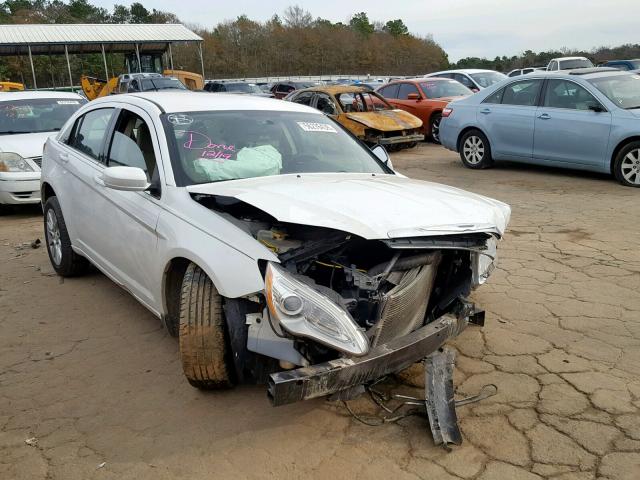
column 276, row 246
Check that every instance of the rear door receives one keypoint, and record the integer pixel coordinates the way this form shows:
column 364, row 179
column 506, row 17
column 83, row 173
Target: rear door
column 568, row 130
column 508, row 117
column 82, row 160
column 411, row 105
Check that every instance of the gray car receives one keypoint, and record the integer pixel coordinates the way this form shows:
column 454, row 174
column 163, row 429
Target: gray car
column 586, row 119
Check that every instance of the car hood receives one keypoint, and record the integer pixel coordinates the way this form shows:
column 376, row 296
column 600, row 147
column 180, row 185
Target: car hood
column 386, row 120
column 635, row 111
column 26, row 145
column 372, row 207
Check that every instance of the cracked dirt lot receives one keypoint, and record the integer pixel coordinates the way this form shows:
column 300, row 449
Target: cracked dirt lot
column 92, row 376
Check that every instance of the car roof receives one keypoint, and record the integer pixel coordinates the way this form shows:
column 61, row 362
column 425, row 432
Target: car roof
column 463, row 70
column 586, row 73
column 569, row 58
column 420, row 79
column 188, row 101
column 32, row 94
column 335, row 89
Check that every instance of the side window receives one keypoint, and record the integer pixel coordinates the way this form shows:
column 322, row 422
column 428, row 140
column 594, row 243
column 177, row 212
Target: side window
column 495, row 97
column 553, row 65
column 515, row 73
column 464, row 80
column 405, row 90
column 524, row 92
column 132, row 146
column 90, row 132
column 566, row 94
column 326, row 105
column 303, row 98
column 390, row 91
column 133, row 86
column 284, row 88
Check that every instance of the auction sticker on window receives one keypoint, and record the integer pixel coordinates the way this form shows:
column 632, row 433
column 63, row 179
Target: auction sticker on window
column 68, row 102
column 180, row 119
column 317, row 127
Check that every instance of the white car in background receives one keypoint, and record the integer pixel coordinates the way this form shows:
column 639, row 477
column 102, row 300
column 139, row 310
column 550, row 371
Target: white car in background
column 474, row 79
column 277, row 246
column 568, row 63
column 27, row 119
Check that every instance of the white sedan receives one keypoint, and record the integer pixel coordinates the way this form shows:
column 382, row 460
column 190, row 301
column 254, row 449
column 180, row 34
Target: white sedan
column 27, row 119
column 278, row 247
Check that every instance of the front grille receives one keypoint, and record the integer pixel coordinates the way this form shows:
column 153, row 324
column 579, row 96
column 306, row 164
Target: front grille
column 405, row 305
column 37, row 161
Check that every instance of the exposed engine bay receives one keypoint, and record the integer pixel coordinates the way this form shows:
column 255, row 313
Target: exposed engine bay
column 388, row 287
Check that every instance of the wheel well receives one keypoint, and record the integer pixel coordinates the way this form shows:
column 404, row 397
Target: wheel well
column 465, row 130
column 434, row 113
column 619, row 147
column 47, row 192
column 171, row 287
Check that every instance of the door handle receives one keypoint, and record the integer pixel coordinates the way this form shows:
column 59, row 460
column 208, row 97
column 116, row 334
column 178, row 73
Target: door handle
column 64, row 157
column 544, row 116
column 485, row 110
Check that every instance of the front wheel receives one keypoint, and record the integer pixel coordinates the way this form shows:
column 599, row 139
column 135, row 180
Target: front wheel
column 475, row 151
column 64, row 260
column 204, row 349
column 626, row 166
column 434, row 127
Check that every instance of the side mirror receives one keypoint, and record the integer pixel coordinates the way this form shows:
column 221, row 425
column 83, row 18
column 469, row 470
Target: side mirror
column 381, row 152
column 413, row 96
column 129, row 179
column 474, row 89
column 596, row 108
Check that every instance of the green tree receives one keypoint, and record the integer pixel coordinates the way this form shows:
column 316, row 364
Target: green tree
column 360, row 23
column 396, row 27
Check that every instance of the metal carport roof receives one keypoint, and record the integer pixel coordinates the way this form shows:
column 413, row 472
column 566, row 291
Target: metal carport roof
column 89, row 38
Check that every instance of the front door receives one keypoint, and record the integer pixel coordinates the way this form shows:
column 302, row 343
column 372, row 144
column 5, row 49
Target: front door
column 568, row 129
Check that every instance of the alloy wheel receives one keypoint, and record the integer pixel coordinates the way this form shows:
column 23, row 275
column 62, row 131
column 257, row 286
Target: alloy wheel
column 630, row 167
column 473, row 150
column 54, row 242
column 435, row 130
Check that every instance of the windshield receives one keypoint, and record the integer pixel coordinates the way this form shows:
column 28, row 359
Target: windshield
column 362, row 102
column 623, row 90
column 228, row 145
column 486, row 79
column 447, row 88
column 571, row 64
column 36, row 115
column 240, row 87
column 162, row 84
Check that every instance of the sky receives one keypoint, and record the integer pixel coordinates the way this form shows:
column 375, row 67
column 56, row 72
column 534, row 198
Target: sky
column 464, row 28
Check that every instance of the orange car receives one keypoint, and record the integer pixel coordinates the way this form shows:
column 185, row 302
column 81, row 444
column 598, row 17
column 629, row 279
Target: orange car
column 425, row 98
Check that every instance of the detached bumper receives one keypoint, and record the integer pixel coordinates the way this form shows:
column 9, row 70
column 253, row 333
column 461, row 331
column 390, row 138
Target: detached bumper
column 418, row 137
column 330, row 377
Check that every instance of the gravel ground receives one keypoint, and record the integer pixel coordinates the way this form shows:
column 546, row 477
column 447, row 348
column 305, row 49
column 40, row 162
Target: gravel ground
column 94, row 384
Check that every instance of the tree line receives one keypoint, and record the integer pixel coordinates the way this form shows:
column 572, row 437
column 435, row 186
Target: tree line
column 293, row 43
column 530, row 58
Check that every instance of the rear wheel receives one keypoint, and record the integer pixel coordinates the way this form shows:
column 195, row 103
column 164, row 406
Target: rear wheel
column 204, row 349
column 626, row 166
column 434, row 127
column 64, row 260
column 475, row 151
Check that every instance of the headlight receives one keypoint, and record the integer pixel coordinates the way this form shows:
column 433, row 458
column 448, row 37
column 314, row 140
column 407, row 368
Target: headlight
column 483, row 263
column 303, row 311
column 12, row 162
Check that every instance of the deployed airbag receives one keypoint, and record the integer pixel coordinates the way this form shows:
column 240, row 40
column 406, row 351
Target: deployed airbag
column 249, row 162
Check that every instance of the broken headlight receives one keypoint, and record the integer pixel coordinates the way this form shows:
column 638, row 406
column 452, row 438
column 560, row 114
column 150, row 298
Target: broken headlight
column 12, row 162
column 483, row 263
column 305, row 312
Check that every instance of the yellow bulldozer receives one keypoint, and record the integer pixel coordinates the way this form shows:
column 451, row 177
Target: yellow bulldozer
column 140, row 82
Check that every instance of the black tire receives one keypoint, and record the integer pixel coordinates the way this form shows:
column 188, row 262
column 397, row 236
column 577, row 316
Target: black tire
column 64, row 260
column 434, row 128
column 475, row 151
column 204, row 349
column 626, row 166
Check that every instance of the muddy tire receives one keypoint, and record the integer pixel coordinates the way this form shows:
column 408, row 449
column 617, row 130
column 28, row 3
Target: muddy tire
column 626, row 166
column 204, row 348
column 64, row 260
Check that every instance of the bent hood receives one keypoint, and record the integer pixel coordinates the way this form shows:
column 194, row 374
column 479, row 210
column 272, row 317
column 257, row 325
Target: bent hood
column 386, row 120
column 26, row 145
column 372, row 207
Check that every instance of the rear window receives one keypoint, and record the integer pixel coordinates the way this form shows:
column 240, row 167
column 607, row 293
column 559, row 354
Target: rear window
column 571, row 64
